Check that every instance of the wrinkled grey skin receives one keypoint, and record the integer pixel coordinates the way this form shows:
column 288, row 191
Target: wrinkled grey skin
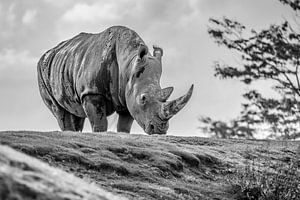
column 94, row 75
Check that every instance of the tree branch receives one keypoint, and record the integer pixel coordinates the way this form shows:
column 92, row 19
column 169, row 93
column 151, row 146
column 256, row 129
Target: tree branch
column 291, row 83
column 297, row 77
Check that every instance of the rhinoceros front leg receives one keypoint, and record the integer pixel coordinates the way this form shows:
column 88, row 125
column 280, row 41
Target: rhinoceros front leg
column 124, row 122
column 95, row 109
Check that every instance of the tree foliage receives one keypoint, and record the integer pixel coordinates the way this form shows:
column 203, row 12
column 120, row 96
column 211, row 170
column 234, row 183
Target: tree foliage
column 273, row 55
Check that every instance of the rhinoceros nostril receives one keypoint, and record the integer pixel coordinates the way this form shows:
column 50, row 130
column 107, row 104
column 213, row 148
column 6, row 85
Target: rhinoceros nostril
column 151, row 127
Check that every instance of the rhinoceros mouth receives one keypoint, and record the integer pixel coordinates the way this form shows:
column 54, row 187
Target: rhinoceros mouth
column 152, row 129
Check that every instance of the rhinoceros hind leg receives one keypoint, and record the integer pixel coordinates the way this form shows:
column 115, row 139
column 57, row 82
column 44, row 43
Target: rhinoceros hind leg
column 124, row 122
column 95, row 109
column 67, row 121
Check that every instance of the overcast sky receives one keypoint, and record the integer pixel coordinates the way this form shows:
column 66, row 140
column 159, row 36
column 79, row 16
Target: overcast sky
column 29, row 28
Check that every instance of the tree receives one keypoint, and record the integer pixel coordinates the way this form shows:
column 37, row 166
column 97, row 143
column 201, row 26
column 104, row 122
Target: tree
column 271, row 55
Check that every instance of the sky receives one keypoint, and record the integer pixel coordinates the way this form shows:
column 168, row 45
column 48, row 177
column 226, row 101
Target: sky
column 29, row 28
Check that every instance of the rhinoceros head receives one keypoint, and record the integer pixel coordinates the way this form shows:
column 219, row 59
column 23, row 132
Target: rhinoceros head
column 145, row 99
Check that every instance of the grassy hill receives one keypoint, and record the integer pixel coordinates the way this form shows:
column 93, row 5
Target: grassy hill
column 23, row 177
column 162, row 167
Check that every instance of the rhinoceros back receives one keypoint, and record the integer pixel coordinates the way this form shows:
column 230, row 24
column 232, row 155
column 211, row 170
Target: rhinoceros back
column 76, row 67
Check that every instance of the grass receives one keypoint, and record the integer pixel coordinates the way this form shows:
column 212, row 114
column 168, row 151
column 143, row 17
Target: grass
column 153, row 167
column 272, row 181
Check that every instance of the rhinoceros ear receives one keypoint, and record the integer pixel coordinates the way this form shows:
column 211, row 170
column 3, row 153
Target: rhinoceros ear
column 157, row 52
column 143, row 50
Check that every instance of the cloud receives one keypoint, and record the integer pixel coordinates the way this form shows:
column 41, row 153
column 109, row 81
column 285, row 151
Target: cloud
column 87, row 13
column 145, row 16
column 62, row 3
column 29, row 17
column 11, row 16
column 87, row 17
column 140, row 12
column 12, row 58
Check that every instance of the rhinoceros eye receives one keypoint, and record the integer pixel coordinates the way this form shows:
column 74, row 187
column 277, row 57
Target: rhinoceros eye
column 143, row 99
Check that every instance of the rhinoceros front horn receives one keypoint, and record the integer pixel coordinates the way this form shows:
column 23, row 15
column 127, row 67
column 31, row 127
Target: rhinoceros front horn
column 170, row 108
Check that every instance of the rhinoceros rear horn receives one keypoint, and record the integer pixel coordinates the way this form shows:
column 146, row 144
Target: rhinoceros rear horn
column 170, row 108
column 165, row 93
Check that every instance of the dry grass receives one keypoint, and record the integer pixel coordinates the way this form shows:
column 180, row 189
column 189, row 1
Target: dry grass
column 150, row 167
column 272, row 181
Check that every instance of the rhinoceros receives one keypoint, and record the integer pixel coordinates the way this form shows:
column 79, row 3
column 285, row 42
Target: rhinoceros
column 94, row 75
